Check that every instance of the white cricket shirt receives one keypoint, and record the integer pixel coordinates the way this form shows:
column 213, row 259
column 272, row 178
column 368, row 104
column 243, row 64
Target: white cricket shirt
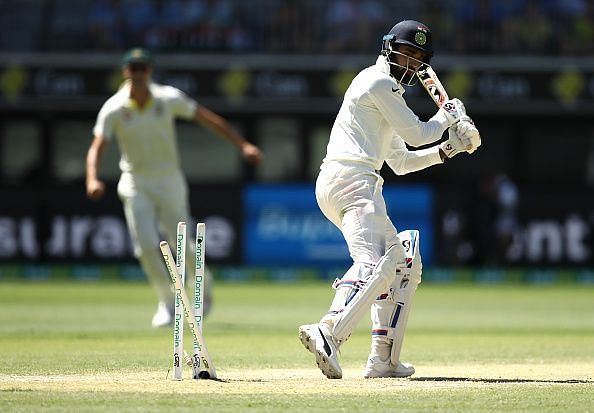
column 146, row 137
column 374, row 122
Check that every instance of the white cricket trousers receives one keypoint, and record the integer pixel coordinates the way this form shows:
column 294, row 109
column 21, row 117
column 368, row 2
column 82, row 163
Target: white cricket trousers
column 152, row 204
column 350, row 196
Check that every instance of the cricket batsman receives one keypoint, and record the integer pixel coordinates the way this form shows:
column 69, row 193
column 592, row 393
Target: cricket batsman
column 374, row 125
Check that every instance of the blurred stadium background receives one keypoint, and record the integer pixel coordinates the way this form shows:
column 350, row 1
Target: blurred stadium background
column 520, row 209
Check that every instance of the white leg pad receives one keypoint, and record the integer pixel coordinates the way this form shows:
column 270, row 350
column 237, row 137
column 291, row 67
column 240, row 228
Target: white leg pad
column 357, row 290
column 346, row 288
column 389, row 313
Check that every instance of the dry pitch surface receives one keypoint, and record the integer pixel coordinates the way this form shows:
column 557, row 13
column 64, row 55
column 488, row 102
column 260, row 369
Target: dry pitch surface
column 310, row 381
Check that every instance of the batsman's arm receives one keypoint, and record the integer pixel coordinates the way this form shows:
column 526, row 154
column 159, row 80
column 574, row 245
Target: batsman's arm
column 95, row 188
column 405, row 161
column 222, row 128
column 402, row 119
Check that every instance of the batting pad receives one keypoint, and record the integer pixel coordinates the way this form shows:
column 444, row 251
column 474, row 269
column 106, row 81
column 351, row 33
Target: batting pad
column 356, row 300
column 389, row 313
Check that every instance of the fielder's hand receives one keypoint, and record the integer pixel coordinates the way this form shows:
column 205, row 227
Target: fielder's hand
column 251, row 153
column 95, row 189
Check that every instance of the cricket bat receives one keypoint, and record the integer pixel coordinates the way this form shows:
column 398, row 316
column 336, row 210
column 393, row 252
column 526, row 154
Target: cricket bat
column 433, row 86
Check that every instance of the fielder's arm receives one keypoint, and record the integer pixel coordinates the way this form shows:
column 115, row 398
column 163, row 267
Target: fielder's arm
column 221, row 127
column 94, row 186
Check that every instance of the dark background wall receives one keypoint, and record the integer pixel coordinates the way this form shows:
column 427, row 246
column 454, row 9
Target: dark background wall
column 278, row 72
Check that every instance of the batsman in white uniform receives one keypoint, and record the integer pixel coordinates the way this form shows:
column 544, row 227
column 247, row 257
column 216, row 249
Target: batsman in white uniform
column 153, row 190
column 374, row 125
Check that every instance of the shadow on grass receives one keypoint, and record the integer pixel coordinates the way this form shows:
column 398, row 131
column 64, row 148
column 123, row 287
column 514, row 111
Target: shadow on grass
column 478, row 380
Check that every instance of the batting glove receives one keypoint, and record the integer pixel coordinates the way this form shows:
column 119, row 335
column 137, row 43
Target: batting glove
column 453, row 110
column 468, row 133
column 453, row 146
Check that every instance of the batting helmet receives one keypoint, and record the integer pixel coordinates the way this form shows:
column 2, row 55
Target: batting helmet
column 411, row 33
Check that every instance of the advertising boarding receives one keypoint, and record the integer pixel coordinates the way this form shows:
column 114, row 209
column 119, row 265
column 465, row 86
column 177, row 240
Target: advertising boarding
column 284, row 226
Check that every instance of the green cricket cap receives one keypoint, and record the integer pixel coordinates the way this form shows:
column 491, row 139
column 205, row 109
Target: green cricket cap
column 137, row 55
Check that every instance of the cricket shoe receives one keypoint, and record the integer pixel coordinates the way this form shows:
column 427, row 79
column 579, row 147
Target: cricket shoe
column 376, row 367
column 318, row 340
column 163, row 317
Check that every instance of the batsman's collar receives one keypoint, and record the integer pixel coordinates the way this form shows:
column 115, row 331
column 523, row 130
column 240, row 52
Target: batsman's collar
column 137, row 55
column 382, row 64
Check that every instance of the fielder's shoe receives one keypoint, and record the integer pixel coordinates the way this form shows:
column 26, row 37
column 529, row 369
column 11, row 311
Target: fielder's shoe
column 318, row 340
column 378, row 368
column 164, row 316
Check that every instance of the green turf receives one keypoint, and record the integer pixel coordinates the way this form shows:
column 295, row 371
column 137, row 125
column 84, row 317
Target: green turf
column 89, row 347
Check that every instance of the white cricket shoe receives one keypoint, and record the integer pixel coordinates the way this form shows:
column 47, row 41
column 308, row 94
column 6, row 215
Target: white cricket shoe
column 163, row 317
column 318, row 340
column 376, row 367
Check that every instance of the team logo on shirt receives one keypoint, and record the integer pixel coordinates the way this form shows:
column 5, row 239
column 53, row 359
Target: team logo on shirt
column 127, row 115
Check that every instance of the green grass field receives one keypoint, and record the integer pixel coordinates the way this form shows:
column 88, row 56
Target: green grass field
column 89, row 347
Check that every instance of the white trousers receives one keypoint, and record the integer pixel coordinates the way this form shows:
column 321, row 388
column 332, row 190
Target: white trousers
column 350, row 196
column 154, row 205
